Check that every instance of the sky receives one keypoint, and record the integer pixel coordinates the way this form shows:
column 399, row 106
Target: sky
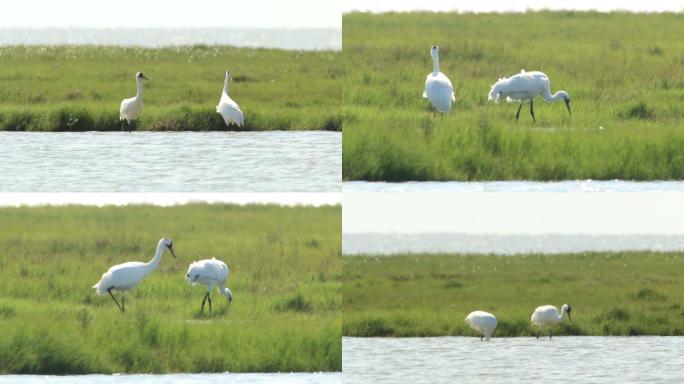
column 170, row 14
column 508, row 5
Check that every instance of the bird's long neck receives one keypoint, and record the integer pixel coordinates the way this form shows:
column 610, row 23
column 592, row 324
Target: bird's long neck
column 152, row 264
column 225, row 86
column 551, row 98
column 435, row 61
column 138, row 95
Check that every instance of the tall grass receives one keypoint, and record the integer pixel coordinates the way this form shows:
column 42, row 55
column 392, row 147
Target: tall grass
column 626, row 85
column 638, row 293
column 285, row 274
column 78, row 88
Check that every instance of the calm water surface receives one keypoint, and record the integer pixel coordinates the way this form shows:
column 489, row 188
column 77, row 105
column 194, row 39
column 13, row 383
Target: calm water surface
column 513, row 360
column 241, row 378
column 517, row 186
column 170, row 162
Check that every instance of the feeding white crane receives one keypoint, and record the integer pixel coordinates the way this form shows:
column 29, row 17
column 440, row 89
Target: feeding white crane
column 547, row 316
column 126, row 276
column 526, row 86
column 228, row 108
column 210, row 272
column 438, row 88
column 130, row 108
column 483, row 322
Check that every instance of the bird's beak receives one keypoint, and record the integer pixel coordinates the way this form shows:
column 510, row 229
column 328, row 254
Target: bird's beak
column 170, row 247
column 569, row 317
column 567, row 104
column 143, row 76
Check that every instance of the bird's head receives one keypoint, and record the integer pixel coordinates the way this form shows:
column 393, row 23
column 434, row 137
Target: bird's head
column 567, row 309
column 229, row 75
column 169, row 245
column 566, row 98
column 434, row 51
column 193, row 273
column 140, row 76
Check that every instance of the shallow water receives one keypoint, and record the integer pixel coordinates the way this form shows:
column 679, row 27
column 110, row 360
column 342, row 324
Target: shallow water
column 308, row 161
column 517, row 186
column 246, row 378
column 299, row 39
column 513, row 360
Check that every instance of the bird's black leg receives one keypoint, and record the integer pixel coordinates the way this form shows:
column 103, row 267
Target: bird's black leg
column 517, row 114
column 538, row 334
column 123, row 304
column 209, row 298
column 203, row 300
column 532, row 110
column 480, row 338
column 550, row 333
column 117, row 303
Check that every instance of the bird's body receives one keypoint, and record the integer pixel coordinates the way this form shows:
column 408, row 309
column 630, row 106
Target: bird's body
column 526, row 86
column 483, row 322
column 546, row 316
column 228, row 108
column 130, row 108
column 126, row 276
column 212, row 273
column 438, row 88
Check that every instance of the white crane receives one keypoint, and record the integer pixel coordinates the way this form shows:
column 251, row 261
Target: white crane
column 126, row 276
column 547, row 316
column 438, row 88
column 130, row 108
column 228, row 108
column 483, row 322
column 526, row 86
column 210, row 272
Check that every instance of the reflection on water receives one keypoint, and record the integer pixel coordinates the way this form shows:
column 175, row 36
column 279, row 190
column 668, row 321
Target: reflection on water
column 517, row 186
column 513, row 360
column 299, row 39
column 183, row 378
column 170, row 162
column 504, row 244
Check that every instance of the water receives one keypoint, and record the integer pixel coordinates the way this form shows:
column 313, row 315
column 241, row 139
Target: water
column 183, row 378
column 171, row 162
column 517, row 186
column 513, row 360
column 294, row 39
column 388, row 244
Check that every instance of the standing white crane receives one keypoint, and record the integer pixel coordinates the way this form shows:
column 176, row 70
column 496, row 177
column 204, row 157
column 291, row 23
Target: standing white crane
column 228, row 108
column 547, row 316
column 483, row 322
column 438, row 88
column 126, row 276
column 130, row 108
column 526, row 86
column 210, row 272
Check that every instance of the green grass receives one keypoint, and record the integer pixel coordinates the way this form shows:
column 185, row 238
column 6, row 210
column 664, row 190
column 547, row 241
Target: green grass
column 624, row 72
column 638, row 293
column 79, row 88
column 285, row 275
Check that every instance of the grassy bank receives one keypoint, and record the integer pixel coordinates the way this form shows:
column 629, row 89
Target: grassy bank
column 430, row 295
column 79, row 88
column 626, row 85
column 285, row 276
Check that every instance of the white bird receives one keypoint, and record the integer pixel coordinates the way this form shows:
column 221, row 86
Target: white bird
column 130, row 108
column 547, row 316
column 483, row 322
column 210, row 272
column 126, row 276
column 438, row 88
column 526, row 86
column 228, row 108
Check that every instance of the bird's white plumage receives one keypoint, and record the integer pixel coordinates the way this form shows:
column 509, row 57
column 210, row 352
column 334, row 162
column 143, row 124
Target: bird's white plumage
column 482, row 322
column 126, row 276
column 130, row 108
column 228, row 108
column 547, row 316
column 438, row 88
column 210, row 272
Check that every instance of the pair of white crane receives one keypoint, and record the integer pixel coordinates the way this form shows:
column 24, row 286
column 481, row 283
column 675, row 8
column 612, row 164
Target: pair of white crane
column 126, row 276
column 228, row 109
column 521, row 87
column 543, row 317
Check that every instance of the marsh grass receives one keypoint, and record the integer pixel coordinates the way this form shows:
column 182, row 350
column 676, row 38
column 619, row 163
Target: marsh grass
column 285, row 315
column 639, row 293
column 626, row 85
column 79, row 88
